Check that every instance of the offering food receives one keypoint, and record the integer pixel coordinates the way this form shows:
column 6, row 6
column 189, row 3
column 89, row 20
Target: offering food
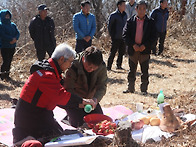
column 146, row 120
column 154, row 121
column 137, row 124
column 169, row 122
column 104, row 128
column 93, row 119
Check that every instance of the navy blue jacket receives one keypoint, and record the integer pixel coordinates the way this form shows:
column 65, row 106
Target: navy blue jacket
column 160, row 17
column 42, row 33
column 116, row 23
column 149, row 34
column 8, row 30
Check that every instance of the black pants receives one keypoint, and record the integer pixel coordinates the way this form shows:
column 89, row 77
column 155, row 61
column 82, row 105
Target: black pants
column 41, row 53
column 161, row 37
column 75, row 115
column 7, row 55
column 34, row 121
column 81, row 45
column 117, row 45
column 43, row 135
column 144, row 64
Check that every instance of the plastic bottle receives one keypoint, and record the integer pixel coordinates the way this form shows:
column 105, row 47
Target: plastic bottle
column 160, row 98
column 88, row 108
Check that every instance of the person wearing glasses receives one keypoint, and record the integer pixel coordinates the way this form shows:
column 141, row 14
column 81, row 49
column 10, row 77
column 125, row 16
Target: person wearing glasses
column 86, row 78
column 42, row 92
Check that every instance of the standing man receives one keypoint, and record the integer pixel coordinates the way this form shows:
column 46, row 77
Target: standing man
column 117, row 21
column 9, row 35
column 84, row 25
column 130, row 8
column 86, row 78
column 139, row 34
column 41, row 29
column 160, row 15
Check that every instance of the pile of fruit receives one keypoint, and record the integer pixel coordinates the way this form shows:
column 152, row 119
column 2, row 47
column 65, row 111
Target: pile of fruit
column 138, row 124
column 104, row 128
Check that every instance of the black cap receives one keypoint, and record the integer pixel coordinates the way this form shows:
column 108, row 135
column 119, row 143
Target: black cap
column 42, row 7
column 119, row 2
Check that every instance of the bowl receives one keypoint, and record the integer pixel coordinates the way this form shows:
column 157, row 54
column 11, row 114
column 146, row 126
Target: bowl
column 92, row 119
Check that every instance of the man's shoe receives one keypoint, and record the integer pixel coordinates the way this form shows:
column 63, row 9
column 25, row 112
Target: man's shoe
column 159, row 53
column 128, row 91
column 2, row 75
column 14, row 103
column 120, row 68
column 108, row 68
column 8, row 78
column 144, row 92
column 155, row 54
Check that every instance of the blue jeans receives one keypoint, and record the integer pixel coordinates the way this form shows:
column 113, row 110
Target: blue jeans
column 81, row 45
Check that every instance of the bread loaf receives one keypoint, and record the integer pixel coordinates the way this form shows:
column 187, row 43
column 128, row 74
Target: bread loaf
column 146, row 120
column 154, row 121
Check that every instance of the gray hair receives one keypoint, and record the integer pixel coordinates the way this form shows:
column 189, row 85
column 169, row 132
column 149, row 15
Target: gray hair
column 63, row 50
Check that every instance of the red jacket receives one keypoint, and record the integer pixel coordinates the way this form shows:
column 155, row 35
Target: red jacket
column 43, row 89
column 42, row 92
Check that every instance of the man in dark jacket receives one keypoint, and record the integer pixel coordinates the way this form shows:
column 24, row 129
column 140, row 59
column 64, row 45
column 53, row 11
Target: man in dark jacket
column 42, row 92
column 117, row 21
column 41, row 30
column 160, row 16
column 139, row 34
column 86, row 78
column 9, row 35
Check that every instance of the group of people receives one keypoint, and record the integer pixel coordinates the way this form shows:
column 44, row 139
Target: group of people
column 132, row 30
column 85, row 79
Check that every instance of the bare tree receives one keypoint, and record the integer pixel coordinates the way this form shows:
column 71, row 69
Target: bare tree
column 62, row 12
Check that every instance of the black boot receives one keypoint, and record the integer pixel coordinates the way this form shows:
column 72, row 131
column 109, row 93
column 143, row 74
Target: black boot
column 2, row 75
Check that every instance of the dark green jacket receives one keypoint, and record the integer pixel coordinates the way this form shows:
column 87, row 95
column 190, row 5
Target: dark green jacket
column 76, row 80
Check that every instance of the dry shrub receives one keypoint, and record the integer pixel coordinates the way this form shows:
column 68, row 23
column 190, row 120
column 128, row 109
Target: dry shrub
column 182, row 31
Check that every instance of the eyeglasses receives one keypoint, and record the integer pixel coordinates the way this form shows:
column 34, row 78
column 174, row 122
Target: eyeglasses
column 70, row 61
